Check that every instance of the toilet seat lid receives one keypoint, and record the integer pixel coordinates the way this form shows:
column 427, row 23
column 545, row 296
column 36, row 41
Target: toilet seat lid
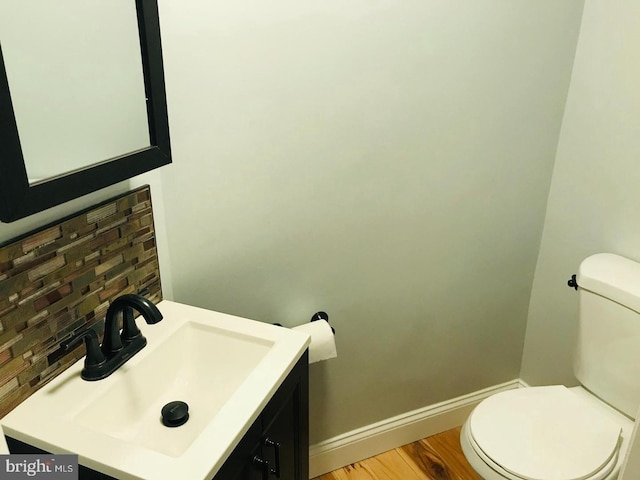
column 541, row 433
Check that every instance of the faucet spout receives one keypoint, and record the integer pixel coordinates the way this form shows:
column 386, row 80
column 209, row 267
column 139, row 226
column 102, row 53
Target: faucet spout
column 113, row 340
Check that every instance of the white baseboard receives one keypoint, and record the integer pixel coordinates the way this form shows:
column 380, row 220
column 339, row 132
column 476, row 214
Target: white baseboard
column 393, row 432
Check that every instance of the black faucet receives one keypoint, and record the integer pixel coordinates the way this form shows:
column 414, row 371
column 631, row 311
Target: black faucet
column 117, row 346
column 113, row 340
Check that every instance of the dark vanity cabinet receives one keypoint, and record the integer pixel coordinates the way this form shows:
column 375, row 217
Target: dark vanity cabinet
column 276, row 446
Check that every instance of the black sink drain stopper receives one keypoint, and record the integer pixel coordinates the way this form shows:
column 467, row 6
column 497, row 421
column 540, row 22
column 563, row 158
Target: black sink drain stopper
column 175, row 414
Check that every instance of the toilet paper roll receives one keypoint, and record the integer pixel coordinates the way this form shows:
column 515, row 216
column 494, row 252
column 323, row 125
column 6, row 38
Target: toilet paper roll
column 323, row 341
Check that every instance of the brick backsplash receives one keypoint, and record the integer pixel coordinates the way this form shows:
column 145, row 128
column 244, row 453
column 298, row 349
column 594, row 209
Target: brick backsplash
column 61, row 278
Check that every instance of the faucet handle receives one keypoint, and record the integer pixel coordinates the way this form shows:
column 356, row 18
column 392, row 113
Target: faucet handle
column 95, row 357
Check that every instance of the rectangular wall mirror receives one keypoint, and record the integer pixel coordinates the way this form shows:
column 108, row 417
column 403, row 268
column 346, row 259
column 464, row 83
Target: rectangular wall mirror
column 82, row 99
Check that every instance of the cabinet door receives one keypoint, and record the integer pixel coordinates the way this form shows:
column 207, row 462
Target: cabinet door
column 285, row 420
column 279, row 442
column 251, row 471
column 240, row 464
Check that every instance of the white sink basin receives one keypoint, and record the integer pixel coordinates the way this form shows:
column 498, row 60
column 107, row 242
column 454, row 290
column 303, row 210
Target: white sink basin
column 224, row 367
column 200, row 365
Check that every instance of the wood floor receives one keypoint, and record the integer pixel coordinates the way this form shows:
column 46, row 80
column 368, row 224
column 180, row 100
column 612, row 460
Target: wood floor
column 435, row 458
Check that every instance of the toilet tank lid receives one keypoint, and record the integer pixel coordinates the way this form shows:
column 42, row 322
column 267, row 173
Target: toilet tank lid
column 612, row 276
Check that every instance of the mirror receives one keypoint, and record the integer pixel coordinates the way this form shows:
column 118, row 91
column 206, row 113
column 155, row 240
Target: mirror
column 82, row 99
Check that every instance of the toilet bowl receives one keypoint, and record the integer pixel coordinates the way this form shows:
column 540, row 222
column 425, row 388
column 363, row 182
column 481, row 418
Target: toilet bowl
column 545, row 433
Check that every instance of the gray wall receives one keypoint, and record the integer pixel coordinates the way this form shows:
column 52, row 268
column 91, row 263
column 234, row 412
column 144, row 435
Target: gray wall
column 595, row 193
column 388, row 162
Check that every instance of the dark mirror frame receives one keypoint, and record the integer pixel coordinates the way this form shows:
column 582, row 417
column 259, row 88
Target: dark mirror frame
column 18, row 199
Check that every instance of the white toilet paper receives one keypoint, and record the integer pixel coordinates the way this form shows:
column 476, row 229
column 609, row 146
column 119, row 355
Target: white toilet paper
column 323, row 342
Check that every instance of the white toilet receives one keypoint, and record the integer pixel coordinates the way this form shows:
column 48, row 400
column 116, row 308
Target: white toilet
column 579, row 433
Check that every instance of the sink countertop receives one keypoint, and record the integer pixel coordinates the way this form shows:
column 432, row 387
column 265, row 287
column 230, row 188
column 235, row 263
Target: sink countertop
column 48, row 419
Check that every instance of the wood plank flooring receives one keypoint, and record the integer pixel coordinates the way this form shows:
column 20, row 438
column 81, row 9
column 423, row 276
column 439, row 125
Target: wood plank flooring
column 438, row 457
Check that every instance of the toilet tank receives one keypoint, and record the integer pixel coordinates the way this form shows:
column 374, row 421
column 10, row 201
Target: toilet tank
column 607, row 358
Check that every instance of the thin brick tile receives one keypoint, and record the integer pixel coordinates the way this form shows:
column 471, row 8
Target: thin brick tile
column 41, row 238
column 5, row 355
column 11, row 369
column 7, row 387
column 46, row 268
column 109, row 264
column 102, row 213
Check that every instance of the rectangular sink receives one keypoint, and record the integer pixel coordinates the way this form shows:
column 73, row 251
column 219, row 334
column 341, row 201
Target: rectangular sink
column 225, row 368
column 200, row 365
